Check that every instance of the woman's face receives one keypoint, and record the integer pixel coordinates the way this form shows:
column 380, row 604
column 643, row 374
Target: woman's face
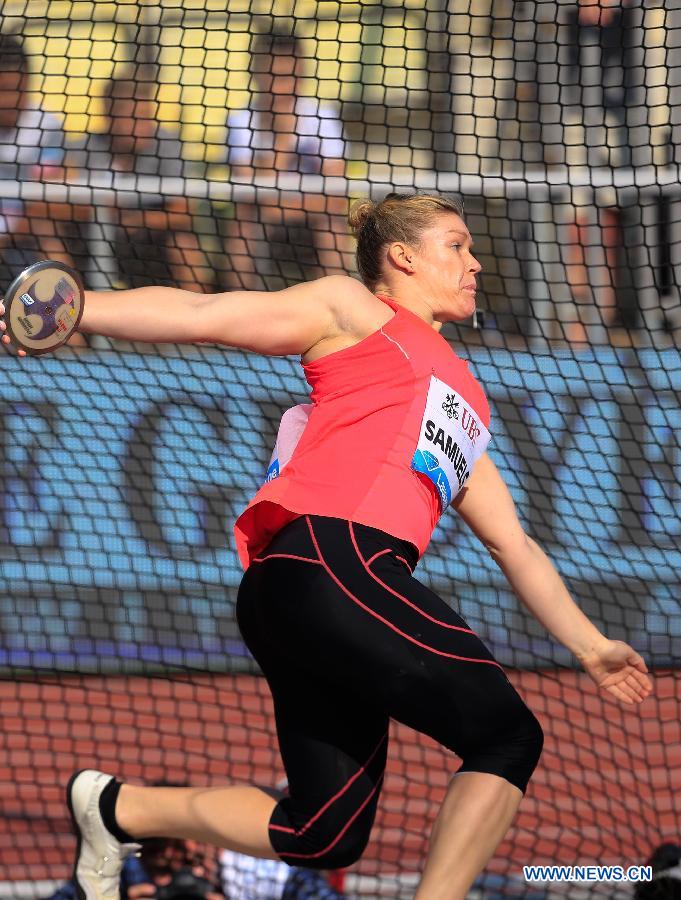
column 444, row 269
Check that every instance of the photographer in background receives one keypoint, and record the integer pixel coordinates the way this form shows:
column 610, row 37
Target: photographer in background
column 167, row 869
column 173, row 869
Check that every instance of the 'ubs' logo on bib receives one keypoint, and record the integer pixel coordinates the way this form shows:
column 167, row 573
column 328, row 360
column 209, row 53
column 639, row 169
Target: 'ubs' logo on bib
column 470, row 426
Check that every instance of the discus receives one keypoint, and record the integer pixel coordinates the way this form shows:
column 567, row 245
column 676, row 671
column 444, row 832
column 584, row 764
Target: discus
column 43, row 307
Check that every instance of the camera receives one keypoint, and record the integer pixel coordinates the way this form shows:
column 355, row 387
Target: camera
column 184, row 885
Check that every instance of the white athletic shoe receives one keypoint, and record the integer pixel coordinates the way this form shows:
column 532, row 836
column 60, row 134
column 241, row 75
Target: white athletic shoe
column 99, row 855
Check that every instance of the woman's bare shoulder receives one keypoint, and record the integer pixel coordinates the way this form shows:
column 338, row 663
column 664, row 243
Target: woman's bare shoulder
column 342, row 288
column 357, row 313
column 355, row 307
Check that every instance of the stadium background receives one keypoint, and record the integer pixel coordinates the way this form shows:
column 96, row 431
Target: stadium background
column 124, row 467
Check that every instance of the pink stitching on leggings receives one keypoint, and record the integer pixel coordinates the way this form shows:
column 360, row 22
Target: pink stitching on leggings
column 489, row 662
column 340, row 833
column 380, row 553
column 286, row 556
column 400, row 596
column 328, row 803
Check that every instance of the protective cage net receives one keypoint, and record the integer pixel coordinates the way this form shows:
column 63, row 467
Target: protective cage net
column 215, row 145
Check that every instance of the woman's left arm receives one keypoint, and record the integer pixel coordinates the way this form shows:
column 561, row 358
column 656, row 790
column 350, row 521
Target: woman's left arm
column 486, row 505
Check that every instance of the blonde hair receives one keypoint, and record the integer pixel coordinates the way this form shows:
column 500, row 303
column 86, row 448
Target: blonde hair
column 398, row 217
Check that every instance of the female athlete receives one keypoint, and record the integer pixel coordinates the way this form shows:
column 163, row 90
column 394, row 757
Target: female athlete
column 345, row 635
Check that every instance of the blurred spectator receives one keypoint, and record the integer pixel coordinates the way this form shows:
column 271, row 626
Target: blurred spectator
column 598, row 77
column 594, row 270
column 168, row 869
column 615, row 73
column 283, row 130
column 601, row 79
column 155, row 242
column 32, row 148
column 32, row 141
column 304, row 236
column 133, row 139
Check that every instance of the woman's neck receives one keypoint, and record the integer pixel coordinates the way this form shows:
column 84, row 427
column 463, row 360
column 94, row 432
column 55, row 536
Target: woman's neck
column 417, row 307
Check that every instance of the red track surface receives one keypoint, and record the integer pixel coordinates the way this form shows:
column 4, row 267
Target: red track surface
column 606, row 789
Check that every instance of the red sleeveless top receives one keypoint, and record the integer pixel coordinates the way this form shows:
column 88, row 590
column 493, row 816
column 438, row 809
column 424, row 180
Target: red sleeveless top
column 395, row 425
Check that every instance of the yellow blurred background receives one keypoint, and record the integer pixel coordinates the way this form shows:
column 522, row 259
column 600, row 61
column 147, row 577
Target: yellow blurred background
column 374, row 51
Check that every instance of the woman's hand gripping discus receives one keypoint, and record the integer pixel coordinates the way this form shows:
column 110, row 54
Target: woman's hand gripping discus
column 42, row 308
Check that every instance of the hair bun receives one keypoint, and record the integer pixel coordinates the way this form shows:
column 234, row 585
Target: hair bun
column 359, row 215
column 397, row 217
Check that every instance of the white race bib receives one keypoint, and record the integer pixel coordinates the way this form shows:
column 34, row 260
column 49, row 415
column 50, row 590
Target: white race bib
column 451, row 440
column 291, row 428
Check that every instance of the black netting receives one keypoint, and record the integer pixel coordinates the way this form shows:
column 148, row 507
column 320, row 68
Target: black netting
column 215, row 146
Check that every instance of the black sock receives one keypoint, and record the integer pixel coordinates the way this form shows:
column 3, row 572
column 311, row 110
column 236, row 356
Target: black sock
column 107, row 809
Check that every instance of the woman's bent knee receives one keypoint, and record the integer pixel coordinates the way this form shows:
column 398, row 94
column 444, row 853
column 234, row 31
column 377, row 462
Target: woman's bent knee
column 513, row 753
column 527, row 746
column 335, row 840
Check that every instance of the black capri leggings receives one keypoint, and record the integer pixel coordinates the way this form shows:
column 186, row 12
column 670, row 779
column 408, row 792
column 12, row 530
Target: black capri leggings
column 348, row 638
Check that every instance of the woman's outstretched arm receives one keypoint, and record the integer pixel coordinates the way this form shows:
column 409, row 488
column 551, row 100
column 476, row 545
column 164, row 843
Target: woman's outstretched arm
column 270, row 322
column 275, row 323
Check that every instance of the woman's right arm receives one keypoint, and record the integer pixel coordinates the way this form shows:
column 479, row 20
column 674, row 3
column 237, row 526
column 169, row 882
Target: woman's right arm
column 486, row 505
column 276, row 323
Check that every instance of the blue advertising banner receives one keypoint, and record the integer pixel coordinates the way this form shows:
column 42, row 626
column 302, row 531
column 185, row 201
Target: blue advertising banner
column 122, row 474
